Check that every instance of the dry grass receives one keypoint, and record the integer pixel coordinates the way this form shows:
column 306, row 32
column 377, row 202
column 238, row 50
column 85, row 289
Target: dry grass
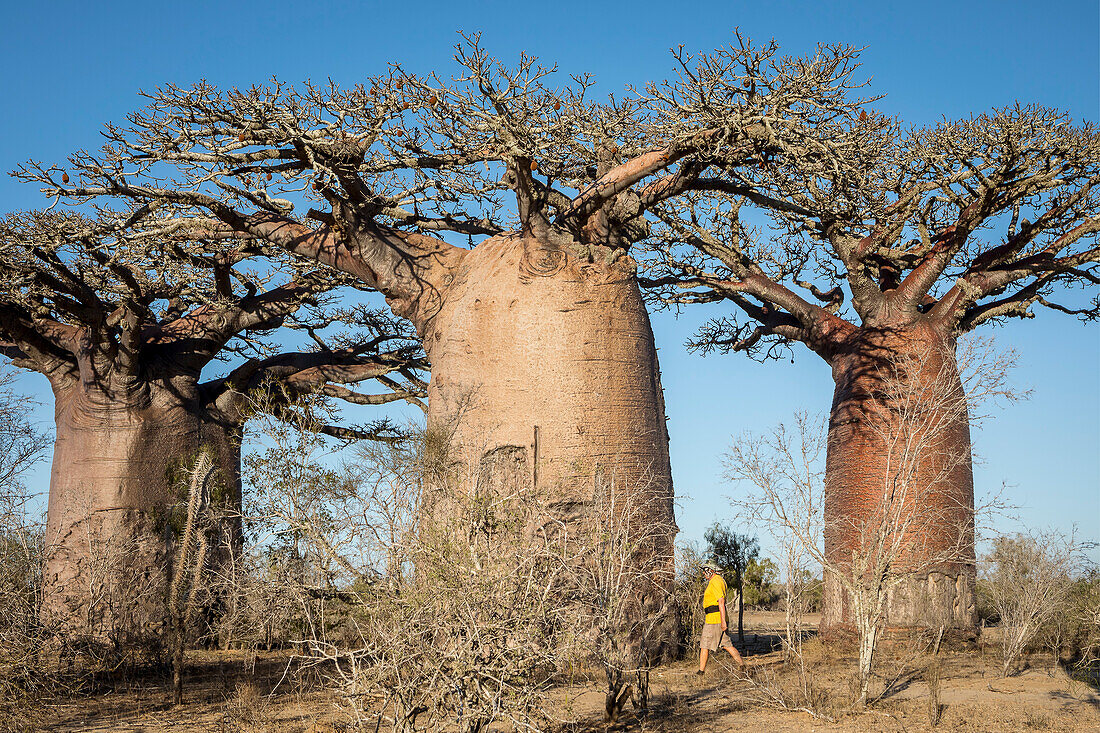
column 234, row 692
column 247, row 707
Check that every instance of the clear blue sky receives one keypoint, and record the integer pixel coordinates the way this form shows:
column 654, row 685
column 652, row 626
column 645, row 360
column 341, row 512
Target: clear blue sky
column 70, row 67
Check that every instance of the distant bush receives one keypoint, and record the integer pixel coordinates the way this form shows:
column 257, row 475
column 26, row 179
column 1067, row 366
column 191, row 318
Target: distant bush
column 21, row 545
column 762, row 589
column 1028, row 580
column 1072, row 636
column 688, row 595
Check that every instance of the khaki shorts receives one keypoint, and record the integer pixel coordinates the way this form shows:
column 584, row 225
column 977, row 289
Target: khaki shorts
column 714, row 638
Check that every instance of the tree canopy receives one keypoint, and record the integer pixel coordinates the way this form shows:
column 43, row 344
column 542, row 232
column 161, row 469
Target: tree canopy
column 885, row 226
column 125, row 299
column 368, row 179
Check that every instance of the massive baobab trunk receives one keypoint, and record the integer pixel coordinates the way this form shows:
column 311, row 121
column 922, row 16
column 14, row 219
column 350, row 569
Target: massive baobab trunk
column 130, row 409
column 118, row 459
column 899, row 475
column 536, row 348
column 538, row 329
column 563, row 346
column 108, row 530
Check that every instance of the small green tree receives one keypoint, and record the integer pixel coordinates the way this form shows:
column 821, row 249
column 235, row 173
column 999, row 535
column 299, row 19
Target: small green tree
column 733, row 553
column 761, row 576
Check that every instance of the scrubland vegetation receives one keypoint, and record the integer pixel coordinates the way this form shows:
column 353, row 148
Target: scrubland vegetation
column 223, row 550
column 342, row 607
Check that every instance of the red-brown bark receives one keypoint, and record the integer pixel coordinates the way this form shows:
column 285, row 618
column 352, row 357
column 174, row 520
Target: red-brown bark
column 899, row 437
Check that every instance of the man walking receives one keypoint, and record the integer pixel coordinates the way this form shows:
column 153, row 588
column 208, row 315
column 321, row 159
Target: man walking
column 715, row 624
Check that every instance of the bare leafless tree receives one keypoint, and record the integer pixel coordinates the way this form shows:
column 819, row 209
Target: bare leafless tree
column 467, row 616
column 418, row 623
column 799, row 580
column 619, row 587
column 22, row 446
column 1028, row 578
column 1088, row 620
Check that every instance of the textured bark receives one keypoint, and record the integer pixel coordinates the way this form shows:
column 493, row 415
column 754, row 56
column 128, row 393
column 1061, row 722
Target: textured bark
column 535, row 348
column 108, row 539
column 939, row 543
column 129, row 407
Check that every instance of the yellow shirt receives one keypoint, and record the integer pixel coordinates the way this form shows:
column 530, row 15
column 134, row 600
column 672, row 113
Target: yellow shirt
column 716, row 589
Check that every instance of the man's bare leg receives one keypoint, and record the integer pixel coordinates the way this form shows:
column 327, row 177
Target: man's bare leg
column 736, row 656
column 703, row 654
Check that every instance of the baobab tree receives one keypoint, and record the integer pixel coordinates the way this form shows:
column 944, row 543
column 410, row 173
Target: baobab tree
column 125, row 317
column 536, row 329
column 904, row 532
column 878, row 245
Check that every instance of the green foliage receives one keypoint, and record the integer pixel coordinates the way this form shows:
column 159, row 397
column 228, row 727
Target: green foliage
column 761, row 582
column 731, row 551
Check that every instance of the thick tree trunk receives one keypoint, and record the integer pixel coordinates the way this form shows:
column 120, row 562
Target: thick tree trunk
column 535, row 349
column 108, row 530
column 899, row 469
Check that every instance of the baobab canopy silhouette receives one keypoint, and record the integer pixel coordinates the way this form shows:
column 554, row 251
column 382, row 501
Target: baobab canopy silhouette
column 127, row 318
column 878, row 245
column 535, row 328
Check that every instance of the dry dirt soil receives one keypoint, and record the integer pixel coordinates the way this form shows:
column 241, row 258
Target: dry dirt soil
column 234, row 692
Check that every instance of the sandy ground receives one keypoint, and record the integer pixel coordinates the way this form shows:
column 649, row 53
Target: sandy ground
column 1034, row 700
column 235, row 692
